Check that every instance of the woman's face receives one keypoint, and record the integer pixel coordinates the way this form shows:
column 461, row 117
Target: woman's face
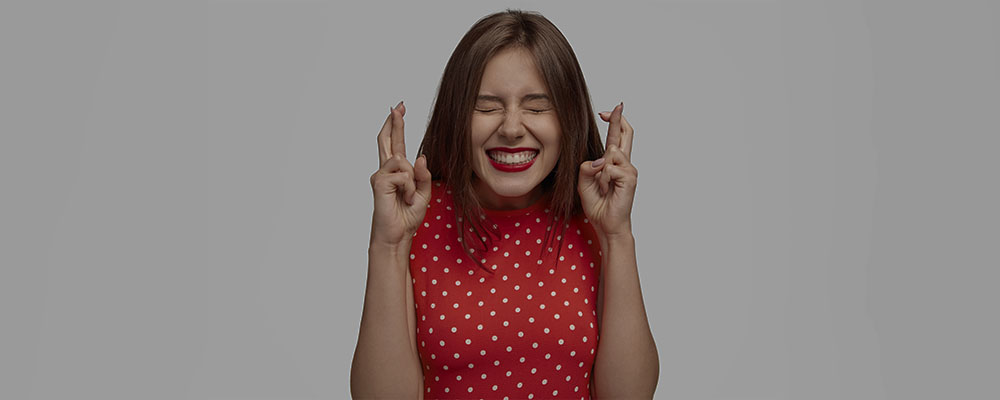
column 515, row 132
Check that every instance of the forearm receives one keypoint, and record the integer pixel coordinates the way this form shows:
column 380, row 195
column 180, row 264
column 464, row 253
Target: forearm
column 627, row 364
column 385, row 365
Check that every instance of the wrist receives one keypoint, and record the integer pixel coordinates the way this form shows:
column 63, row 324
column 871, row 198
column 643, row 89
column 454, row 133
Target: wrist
column 619, row 234
column 395, row 249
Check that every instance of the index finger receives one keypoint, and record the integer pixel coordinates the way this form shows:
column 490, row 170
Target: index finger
column 398, row 140
column 384, row 146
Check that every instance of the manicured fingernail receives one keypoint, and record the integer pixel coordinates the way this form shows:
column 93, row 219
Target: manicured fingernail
column 598, row 162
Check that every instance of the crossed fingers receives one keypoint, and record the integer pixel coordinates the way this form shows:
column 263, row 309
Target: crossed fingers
column 391, row 139
column 620, row 132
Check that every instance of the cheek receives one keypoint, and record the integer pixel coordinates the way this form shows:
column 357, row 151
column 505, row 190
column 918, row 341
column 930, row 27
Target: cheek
column 480, row 132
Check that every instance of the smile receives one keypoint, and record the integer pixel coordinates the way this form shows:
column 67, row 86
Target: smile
column 512, row 162
column 513, row 158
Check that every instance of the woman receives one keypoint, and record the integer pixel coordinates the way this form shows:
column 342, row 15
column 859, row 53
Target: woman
column 500, row 253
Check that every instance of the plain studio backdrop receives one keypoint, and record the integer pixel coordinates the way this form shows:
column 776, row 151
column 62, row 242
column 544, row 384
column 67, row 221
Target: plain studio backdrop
column 186, row 205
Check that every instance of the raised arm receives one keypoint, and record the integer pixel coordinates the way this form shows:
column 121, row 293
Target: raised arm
column 386, row 364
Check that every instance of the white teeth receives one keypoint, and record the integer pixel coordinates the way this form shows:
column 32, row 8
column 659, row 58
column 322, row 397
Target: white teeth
column 513, row 158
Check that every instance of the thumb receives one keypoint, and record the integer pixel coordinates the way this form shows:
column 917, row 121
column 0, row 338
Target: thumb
column 588, row 173
column 423, row 176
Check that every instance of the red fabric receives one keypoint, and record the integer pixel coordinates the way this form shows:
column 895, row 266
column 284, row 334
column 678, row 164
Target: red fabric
column 479, row 335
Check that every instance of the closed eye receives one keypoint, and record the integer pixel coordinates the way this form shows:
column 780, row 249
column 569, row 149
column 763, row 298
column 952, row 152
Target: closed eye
column 486, row 111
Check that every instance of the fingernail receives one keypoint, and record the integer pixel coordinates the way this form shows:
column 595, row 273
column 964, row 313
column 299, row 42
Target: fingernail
column 598, row 162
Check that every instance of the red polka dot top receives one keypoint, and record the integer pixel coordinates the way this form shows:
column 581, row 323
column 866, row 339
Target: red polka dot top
column 526, row 331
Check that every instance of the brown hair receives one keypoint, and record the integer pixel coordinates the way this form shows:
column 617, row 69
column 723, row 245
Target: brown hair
column 446, row 143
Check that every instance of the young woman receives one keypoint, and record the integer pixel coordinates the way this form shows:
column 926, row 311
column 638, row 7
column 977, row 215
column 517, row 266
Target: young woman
column 502, row 262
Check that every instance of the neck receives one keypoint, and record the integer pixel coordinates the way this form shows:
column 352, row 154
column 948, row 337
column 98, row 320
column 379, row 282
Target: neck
column 493, row 201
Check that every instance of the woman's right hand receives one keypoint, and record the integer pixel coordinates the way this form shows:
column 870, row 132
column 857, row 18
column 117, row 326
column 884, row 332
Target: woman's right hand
column 402, row 191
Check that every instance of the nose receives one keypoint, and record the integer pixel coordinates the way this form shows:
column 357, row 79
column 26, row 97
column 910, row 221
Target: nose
column 512, row 128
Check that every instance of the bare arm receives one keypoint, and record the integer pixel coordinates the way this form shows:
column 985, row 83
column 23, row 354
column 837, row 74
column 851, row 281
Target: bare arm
column 627, row 364
column 386, row 364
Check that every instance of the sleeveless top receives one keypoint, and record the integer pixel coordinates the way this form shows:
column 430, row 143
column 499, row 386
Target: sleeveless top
column 526, row 331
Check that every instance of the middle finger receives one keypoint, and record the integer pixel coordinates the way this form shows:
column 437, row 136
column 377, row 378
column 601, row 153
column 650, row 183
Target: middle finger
column 627, row 134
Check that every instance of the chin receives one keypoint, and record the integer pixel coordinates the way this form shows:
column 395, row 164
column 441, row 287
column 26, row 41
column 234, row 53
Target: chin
column 511, row 189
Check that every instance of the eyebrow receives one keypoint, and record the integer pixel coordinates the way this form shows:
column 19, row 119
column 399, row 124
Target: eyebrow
column 527, row 97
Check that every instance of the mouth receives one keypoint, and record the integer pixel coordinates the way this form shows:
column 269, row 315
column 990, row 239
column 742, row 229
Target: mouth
column 512, row 160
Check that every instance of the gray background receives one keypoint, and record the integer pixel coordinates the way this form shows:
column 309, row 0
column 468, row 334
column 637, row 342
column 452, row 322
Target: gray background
column 185, row 200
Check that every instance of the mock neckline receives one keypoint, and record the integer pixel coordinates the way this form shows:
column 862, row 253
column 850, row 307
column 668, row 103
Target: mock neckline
column 539, row 204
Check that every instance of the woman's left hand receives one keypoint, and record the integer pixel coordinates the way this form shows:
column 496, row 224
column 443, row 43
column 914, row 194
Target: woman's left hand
column 607, row 185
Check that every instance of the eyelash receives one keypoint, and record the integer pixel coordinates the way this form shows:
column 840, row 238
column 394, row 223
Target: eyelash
column 495, row 109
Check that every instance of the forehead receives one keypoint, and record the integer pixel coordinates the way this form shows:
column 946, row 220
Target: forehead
column 512, row 73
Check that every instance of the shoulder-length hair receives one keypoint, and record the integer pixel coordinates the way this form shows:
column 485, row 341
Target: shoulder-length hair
column 447, row 143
